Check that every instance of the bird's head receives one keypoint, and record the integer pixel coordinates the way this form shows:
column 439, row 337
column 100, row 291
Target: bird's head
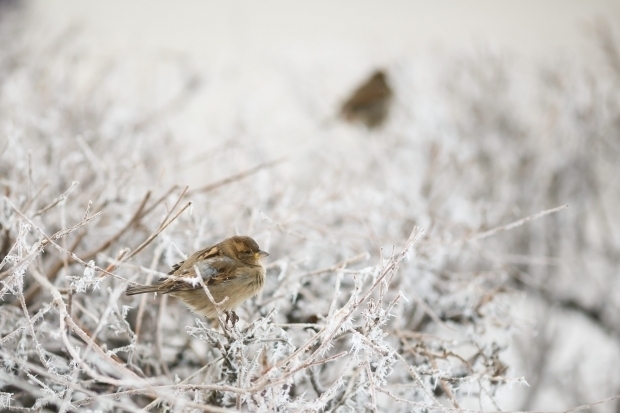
column 245, row 249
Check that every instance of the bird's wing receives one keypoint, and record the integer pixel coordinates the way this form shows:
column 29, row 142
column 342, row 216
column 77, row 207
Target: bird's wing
column 213, row 266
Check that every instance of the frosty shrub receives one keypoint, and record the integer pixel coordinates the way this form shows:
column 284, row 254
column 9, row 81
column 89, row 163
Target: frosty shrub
column 395, row 280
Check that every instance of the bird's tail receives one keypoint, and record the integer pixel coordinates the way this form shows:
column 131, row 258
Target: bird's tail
column 141, row 289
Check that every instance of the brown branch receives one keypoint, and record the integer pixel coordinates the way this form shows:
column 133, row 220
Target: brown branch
column 140, row 213
column 59, row 199
column 236, row 177
column 512, row 225
column 52, row 273
column 156, row 233
column 174, row 206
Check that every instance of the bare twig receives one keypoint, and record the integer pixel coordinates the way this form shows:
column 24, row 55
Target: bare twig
column 236, row 177
column 58, row 200
column 512, row 225
column 156, row 233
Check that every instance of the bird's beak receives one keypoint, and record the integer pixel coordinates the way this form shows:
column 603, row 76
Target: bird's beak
column 262, row 254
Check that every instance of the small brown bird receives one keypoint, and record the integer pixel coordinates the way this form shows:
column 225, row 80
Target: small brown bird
column 370, row 103
column 230, row 269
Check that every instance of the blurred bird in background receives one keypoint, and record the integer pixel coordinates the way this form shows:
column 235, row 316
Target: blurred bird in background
column 370, row 103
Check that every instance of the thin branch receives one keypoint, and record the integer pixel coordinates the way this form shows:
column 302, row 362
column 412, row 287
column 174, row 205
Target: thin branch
column 54, row 268
column 58, row 200
column 156, row 233
column 512, row 225
column 236, row 177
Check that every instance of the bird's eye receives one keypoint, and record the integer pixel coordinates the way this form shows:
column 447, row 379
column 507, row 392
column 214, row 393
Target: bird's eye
column 247, row 252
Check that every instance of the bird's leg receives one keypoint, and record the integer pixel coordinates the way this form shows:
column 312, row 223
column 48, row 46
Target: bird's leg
column 232, row 316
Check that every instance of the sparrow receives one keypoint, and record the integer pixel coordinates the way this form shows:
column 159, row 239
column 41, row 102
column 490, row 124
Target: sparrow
column 370, row 102
column 230, row 269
